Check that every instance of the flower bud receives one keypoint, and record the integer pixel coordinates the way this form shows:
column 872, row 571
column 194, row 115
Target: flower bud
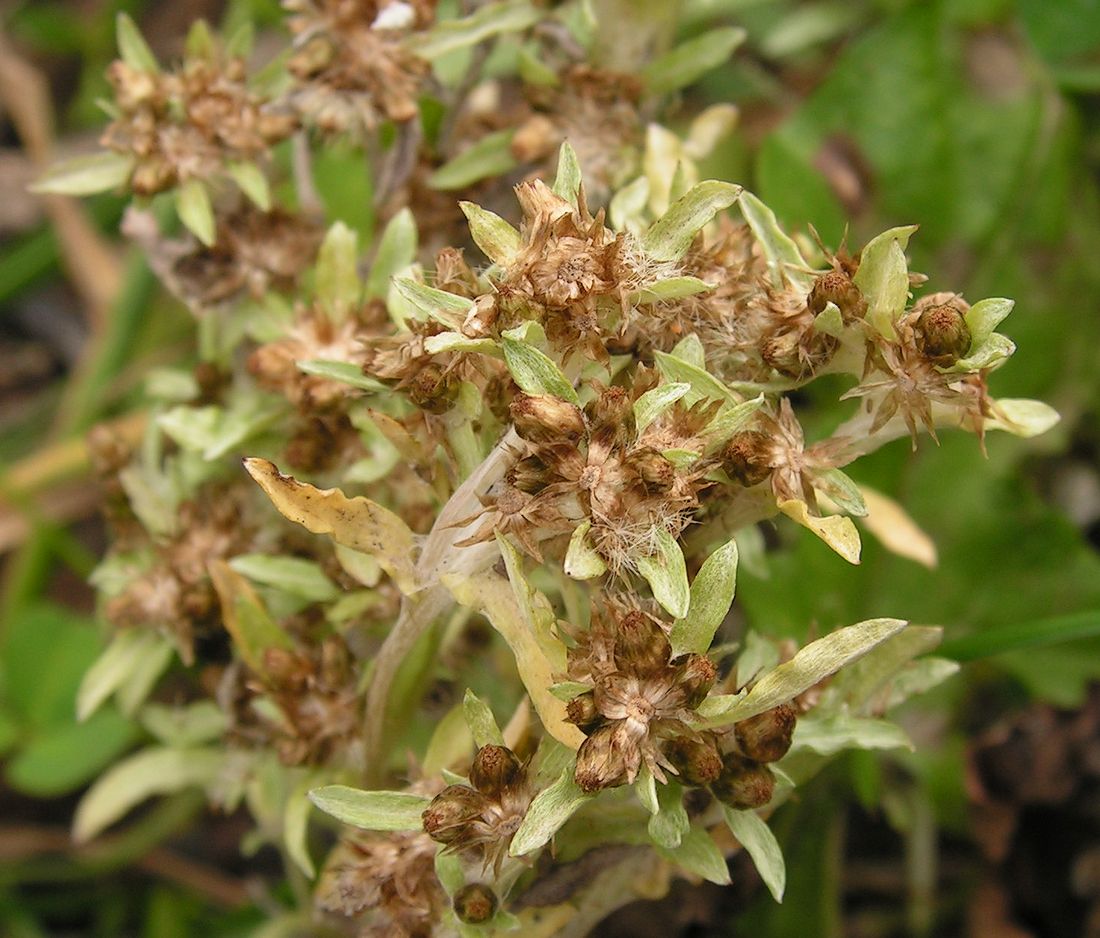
column 653, row 469
column 640, row 645
column 743, row 784
column 541, row 418
column 582, row 710
column 835, row 286
column 600, row 761
column 942, row 333
column 746, row 458
column 446, row 818
column 475, row 904
column 766, row 737
column 696, row 677
column 696, row 760
column 613, row 410
column 495, row 769
column 432, row 389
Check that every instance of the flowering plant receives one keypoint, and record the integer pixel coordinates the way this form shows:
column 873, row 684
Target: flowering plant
column 529, row 443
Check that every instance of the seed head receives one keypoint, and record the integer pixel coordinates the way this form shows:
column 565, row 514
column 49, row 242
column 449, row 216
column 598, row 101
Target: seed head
column 495, row 769
column 475, row 903
column 743, row 784
column 747, row 457
column 942, row 333
column 640, row 645
column 696, row 676
column 541, row 418
column 836, row 286
column 451, row 811
column 582, row 710
column 601, row 761
column 766, row 737
column 697, row 760
column 432, row 389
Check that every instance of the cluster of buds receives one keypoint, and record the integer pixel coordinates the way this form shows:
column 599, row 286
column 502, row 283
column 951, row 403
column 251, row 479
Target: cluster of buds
column 745, row 781
column 481, row 818
column 197, row 122
column 641, row 699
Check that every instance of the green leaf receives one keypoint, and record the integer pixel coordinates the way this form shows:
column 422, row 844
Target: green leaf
column 703, row 384
column 690, row 60
column 344, row 372
column 338, row 285
column 811, row 665
column 132, row 48
column 567, row 690
column 490, row 20
column 199, row 43
column 252, row 182
column 196, row 212
column 294, row 575
column 451, row 742
column 552, row 807
column 785, row 261
column 858, row 686
column 844, row 493
column 535, row 373
column 498, row 240
column 490, row 156
column 1021, row 636
column 690, row 350
column 655, row 402
column 670, row 236
column 447, row 308
column 155, row 771
column 669, row 824
column 645, row 787
column 992, row 353
column 711, row 595
column 760, row 844
column 666, row 574
column 372, row 810
column 582, row 562
column 730, row 419
column 699, row 854
column 184, row 727
column 59, row 759
column 86, row 175
column 984, row 316
column 568, row 180
column 114, row 667
column 457, row 342
column 883, row 276
column 1022, row 417
column 396, row 252
column 296, row 827
column 480, row 720
column 671, row 288
column 831, row 734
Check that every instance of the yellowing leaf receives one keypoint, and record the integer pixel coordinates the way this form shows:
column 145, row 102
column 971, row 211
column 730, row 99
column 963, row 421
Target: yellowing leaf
column 244, row 616
column 897, row 531
column 581, row 560
column 357, row 522
column 835, row 530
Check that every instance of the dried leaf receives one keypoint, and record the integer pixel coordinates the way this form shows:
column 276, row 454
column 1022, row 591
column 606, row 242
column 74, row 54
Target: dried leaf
column 835, row 530
column 357, row 522
column 897, row 531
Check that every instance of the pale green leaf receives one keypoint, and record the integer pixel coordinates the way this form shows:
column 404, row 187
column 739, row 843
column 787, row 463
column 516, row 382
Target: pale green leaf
column 984, row 316
column 919, row 677
column 568, row 179
column 551, row 808
column 760, row 844
column 785, row 261
column 86, row 175
column 645, row 787
column 294, row 575
column 185, row 727
column 535, row 373
column 703, row 384
column 711, row 595
column 666, row 574
column 582, row 562
column 690, row 350
column 296, row 827
column 132, row 48
column 449, row 309
column 843, row 492
column 883, row 277
column 451, row 742
column 156, row 771
column 699, row 854
column 656, row 401
column 567, row 690
column 1022, row 417
column 338, row 285
column 992, row 353
column 490, row 156
column 730, row 419
column 670, row 822
column 498, row 240
column 671, row 288
column 828, row 735
column 811, row 665
column 671, row 235
column 199, row 43
column 114, row 667
column 372, row 810
column 344, row 372
column 196, row 211
column 692, row 59
column 396, row 252
column 252, row 182
column 480, row 720
column 859, row 685
column 489, row 20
